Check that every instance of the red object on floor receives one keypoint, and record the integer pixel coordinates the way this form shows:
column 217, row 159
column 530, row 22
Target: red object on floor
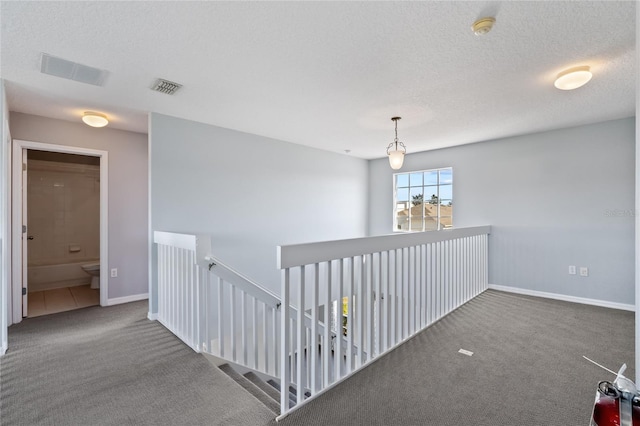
column 607, row 406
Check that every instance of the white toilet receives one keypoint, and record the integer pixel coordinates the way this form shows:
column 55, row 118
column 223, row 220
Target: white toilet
column 93, row 269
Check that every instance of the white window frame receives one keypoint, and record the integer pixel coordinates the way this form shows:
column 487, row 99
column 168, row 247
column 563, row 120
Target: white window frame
column 438, row 185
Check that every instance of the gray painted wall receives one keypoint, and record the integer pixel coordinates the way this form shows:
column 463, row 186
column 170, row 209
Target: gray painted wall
column 554, row 199
column 251, row 193
column 5, row 258
column 128, row 194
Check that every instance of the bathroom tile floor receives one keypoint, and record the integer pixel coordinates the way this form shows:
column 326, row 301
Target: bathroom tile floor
column 61, row 299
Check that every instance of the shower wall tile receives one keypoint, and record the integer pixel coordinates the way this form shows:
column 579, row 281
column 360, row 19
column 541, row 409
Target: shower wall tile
column 63, row 210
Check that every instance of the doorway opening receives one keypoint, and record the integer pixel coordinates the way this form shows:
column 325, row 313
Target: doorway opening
column 60, row 229
column 63, row 232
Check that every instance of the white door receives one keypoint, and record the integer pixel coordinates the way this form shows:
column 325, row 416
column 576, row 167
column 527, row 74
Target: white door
column 25, row 235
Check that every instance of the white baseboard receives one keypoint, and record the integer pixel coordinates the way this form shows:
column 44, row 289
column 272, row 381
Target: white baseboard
column 3, row 350
column 556, row 296
column 152, row 316
column 127, row 299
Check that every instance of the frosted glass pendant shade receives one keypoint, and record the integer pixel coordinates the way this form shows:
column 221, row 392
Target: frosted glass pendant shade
column 396, row 158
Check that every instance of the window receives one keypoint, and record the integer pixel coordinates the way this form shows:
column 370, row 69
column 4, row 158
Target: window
column 423, row 201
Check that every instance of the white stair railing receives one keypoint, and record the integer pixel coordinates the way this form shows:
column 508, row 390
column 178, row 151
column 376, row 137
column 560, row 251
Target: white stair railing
column 394, row 286
column 179, row 285
column 213, row 308
column 240, row 319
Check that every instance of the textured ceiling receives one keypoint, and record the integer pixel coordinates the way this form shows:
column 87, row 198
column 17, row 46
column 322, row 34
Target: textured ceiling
column 328, row 74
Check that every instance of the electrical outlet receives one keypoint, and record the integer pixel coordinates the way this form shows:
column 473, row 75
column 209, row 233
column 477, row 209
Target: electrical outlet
column 572, row 269
column 584, row 271
column 114, row 272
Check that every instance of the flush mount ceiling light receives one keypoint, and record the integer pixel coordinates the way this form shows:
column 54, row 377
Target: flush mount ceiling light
column 483, row 25
column 94, row 119
column 573, row 78
column 396, row 150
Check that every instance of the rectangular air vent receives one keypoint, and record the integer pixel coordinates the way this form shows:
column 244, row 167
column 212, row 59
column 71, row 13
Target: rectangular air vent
column 165, row 86
column 72, row 70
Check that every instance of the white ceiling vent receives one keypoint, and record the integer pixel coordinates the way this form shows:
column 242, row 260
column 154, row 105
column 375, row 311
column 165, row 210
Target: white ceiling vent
column 72, row 70
column 165, row 86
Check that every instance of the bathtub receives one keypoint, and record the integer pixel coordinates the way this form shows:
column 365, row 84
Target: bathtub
column 46, row 277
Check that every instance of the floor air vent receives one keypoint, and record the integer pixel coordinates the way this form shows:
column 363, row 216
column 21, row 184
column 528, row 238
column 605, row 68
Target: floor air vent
column 166, row 86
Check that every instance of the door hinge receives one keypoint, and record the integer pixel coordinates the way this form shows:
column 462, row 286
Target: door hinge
column 24, row 167
column 24, row 229
column 24, row 291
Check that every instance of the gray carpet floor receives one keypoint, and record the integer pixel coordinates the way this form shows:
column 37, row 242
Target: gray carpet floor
column 112, row 366
column 526, row 369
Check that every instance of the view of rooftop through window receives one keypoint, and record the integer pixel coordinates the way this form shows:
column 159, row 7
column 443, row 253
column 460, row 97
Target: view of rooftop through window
column 423, row 201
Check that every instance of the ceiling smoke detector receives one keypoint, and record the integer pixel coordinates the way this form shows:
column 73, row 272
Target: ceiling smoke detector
column 165, row 86
column 483, row 25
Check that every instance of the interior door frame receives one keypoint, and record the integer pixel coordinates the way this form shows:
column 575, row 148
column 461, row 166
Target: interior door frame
column 17, row 237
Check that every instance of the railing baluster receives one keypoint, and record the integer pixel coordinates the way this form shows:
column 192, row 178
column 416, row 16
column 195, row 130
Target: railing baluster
column 418, row 292
column 285, row 359
column 445, row 278
column 221, row 317
column 265, row 339
column 254, row 317
column 276, row 335
column 243, row 326
column 421, row 288
column 313, row 347
column 385, row 313
column 450, row 286
column 326, row 342
column 301, row 337
column 405, row 293
column 411, row 290
column 378, row 306
column 360, row 312
column 438, row 283
column 351, row 314
column 399, row 296
column 393, row 299
column 232, row 318
column 467, row 261
column 369, row 324
column 454, row 270
column 338, row 358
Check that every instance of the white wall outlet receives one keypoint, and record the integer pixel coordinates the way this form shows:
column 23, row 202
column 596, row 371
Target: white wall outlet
column 584, row 271
column 114, row 272
column 572, row 269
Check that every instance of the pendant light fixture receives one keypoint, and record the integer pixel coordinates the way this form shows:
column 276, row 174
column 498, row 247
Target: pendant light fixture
column 396, row 150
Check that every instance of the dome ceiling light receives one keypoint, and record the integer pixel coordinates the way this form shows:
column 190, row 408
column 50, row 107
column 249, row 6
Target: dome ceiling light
column 94, row 119
column 573, row 78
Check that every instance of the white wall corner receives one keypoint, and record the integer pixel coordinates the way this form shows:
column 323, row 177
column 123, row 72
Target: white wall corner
column 563, row 297
column 153, row 316
column 127, row 299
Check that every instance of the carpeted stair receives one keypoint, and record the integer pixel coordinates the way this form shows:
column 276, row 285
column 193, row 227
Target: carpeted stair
column 263, row 392
column 267, row 392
